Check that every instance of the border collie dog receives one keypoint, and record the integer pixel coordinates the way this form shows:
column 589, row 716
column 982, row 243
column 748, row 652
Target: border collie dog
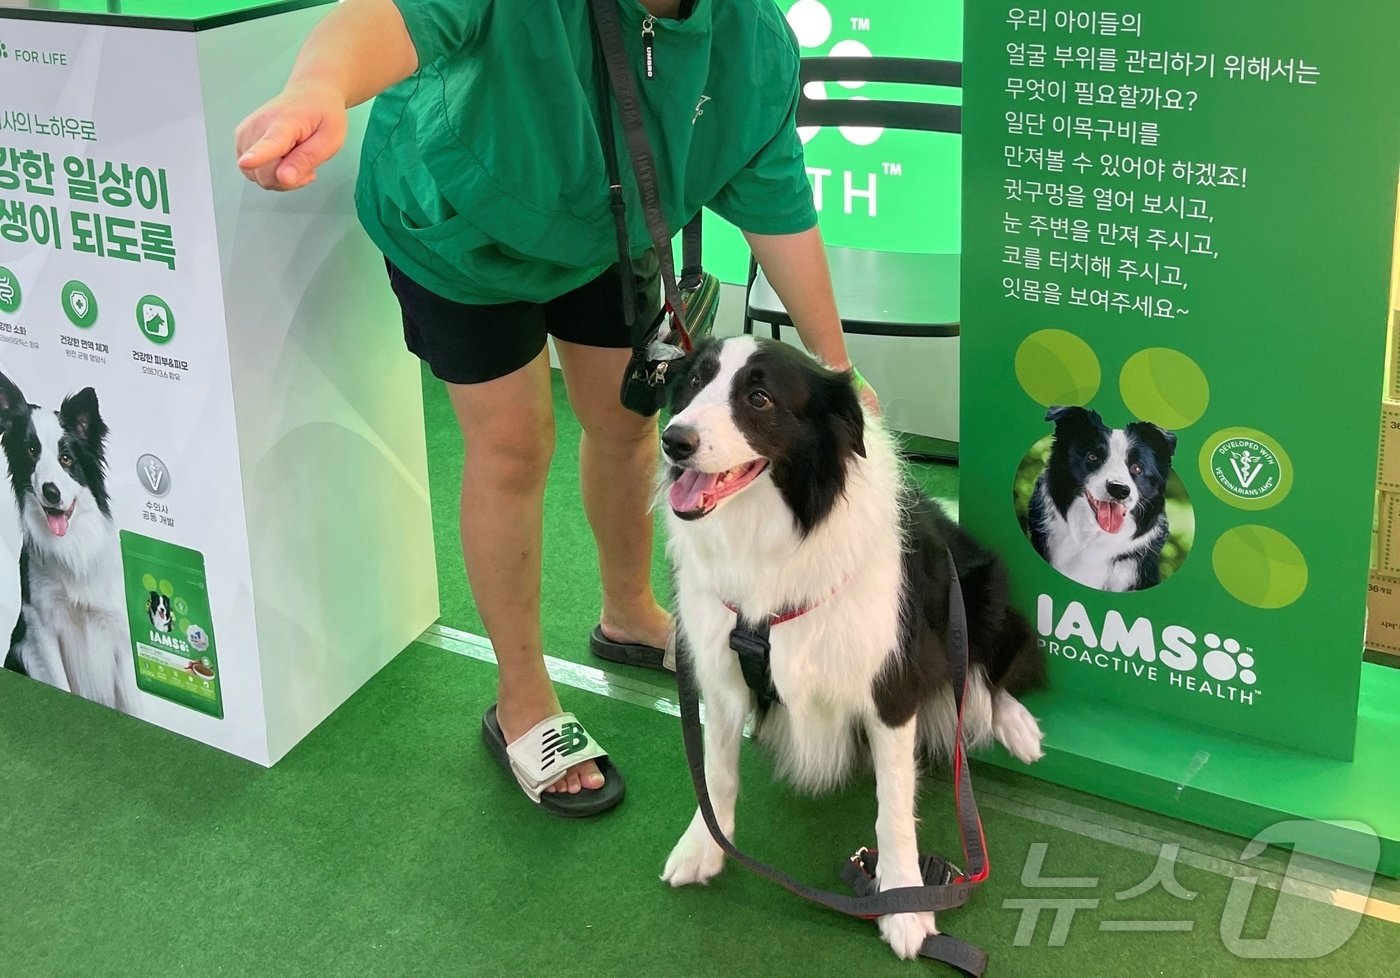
column 72, row 630
column 158, row 611
column 785, row 496
column 1098, row 514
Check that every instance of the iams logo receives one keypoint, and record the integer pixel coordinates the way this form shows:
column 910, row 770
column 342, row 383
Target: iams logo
column 1207, row 665
column 174, row 644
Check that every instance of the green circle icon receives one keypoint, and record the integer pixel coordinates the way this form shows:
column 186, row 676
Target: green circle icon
column 1057, row 368
column 167, row 589
column 79, row 304
column 149, row 582
column 1260, row 567
column 156, row 320
column 11, row 295
column 181, row 607
column 1165, row 387
column 1246, row 468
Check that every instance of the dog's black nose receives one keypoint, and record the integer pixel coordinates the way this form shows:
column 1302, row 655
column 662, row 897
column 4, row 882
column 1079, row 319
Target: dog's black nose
column 680, row 442
column 51, row 494
column 1118, row 491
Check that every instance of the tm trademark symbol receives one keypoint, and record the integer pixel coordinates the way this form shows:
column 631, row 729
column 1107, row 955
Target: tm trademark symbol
column 860, row 23
column 893, row 169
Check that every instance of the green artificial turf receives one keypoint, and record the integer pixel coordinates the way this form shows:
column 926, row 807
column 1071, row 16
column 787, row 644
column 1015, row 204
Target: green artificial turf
column 389, row 844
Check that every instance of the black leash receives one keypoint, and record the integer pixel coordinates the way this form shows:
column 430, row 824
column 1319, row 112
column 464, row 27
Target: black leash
column 945, row 887
column 615, row 82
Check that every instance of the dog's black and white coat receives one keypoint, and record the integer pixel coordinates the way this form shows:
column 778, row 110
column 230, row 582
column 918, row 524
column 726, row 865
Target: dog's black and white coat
column 1098, row 513
column 158, row 611
column 784, row 494
column 72, row 630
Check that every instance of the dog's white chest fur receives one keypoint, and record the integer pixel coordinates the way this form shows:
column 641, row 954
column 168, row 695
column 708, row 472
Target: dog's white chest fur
column 1083, row 552
column 749, row 555
column 75, row 623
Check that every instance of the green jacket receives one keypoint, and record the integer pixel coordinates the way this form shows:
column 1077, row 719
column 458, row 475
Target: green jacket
column 482, row 176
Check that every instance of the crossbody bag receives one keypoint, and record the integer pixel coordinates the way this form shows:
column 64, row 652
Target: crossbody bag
column 691, row 302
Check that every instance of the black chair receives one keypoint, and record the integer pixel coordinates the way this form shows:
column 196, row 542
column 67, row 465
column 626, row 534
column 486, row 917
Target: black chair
column 912, row 297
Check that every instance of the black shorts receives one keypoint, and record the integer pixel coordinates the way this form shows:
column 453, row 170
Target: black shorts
column 471, row 344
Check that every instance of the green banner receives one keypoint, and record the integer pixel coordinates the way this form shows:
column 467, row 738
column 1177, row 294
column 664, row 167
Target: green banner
column 1177, row 231
column 878, row 189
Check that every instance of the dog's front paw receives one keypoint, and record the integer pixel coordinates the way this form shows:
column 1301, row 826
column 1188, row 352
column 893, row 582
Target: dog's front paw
column 696, row 859
column 1016, row 730
column 905, row 932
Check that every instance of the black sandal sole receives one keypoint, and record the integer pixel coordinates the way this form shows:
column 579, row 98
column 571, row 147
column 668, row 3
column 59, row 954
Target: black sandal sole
column 626, row 653
column 588, row 802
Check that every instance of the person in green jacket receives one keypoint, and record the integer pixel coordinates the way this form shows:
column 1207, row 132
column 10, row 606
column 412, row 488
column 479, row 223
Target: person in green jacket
column 483, row 182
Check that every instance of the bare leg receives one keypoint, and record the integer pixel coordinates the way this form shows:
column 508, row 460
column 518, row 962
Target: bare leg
column 508, row 427
column 617, row 475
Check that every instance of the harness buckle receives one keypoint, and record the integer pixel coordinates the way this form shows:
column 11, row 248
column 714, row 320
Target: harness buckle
column 938, row 871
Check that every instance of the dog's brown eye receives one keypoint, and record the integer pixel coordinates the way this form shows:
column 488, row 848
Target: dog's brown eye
column 1136, row 469
column 1093, row 457
column 65, row 460
column 33, row 451
column 695, row 382
column 760, row 400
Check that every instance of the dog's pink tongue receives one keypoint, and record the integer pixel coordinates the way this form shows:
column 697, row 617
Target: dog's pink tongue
column 688, row 491
column 1110, row 516
column 58, row 523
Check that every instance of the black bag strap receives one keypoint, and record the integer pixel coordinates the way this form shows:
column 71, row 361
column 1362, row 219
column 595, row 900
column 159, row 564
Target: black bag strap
column 616, row 203
column 691, row 267
column 945, row 888
column 617, row 82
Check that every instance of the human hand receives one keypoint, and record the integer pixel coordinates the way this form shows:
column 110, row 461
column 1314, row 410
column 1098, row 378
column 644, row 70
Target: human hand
column 281, row 145
column 867, row 393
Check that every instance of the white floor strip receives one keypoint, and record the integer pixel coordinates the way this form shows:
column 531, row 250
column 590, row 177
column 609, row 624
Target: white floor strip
column 1018, row 799
column 571, row 674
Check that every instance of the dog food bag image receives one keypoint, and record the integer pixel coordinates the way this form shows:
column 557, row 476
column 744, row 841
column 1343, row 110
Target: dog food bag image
column 172, row 637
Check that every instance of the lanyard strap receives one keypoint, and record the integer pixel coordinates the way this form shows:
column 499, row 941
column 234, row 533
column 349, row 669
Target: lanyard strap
column 615, row 81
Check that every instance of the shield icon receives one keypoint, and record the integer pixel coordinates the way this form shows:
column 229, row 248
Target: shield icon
column 78, row 302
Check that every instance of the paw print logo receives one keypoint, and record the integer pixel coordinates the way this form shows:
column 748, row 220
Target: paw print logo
column 4, row 51
column 1255, row 564
column 1225, row 660
column 811, row 21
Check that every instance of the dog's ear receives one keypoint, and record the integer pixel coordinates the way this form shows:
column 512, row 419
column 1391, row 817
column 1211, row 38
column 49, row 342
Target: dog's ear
column 80, row 416
column 1072, row 415
column 1163, row 442
column 13, row 404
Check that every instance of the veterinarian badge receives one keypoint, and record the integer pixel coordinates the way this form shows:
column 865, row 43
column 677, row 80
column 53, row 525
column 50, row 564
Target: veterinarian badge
column 1246, row 468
